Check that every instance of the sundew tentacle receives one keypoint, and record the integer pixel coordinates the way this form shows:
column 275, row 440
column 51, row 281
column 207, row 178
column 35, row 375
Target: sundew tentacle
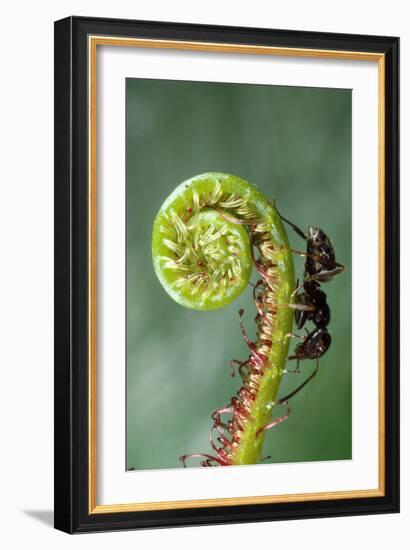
column 208, row 236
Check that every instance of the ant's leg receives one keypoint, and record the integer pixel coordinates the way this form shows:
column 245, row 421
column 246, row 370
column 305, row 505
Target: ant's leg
column 327, row 275
column 294, row 392
column 298, row 287
column 300, row 307
column 275, row 422
column 300, row 253
column 294, row 371
column 318, row 258
column 240, row 364
column 297, row 306
column 295, row 227
column 334, row 268
column 292, row 335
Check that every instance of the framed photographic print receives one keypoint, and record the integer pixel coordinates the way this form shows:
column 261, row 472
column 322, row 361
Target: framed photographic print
column 226, row 274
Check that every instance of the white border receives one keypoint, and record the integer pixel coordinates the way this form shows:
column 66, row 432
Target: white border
column 114, row 485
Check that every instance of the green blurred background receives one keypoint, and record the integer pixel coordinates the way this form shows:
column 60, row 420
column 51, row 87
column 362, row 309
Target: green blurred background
column 295, row 144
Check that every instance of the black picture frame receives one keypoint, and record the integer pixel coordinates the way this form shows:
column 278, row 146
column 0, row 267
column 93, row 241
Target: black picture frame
column 72, row 513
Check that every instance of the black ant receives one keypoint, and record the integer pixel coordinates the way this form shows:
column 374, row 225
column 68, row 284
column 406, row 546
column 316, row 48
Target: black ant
column 311, row 303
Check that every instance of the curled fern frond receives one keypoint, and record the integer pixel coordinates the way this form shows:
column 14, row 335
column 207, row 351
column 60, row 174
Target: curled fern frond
column 208, row 236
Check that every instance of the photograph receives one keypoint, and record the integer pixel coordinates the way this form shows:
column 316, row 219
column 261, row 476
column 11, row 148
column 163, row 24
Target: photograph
column 226, row 233
column 238, row 277
column 204, row 306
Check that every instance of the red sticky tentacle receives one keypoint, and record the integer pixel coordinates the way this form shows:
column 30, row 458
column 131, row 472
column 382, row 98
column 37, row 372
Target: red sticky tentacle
column 277, row 421
column 184, row 458
column 220, row 451
column 259, row 357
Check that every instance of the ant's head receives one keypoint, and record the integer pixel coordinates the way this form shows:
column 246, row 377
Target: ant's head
column 316, row 236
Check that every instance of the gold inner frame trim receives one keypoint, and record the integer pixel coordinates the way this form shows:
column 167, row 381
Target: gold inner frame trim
column 93, row 42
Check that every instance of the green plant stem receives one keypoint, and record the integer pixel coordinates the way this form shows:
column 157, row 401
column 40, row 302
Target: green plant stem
column 250, row 449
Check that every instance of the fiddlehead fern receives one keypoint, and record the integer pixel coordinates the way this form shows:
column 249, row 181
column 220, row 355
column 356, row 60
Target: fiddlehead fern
column 207, row 237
